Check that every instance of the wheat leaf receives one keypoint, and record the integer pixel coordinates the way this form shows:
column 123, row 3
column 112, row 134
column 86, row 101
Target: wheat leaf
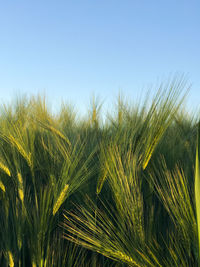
column 197, row 188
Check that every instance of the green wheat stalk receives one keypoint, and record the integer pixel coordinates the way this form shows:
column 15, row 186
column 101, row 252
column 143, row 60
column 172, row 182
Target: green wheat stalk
column 197, row 189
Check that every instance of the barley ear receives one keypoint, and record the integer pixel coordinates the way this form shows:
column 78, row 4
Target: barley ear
column 5, row 169
column 101, row 181
column 60, row 199
column 21, row 188
column 10, row 259
column 2, row 186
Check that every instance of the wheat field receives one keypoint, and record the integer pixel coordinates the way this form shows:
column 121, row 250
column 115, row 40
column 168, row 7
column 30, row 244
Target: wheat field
column 82, row 192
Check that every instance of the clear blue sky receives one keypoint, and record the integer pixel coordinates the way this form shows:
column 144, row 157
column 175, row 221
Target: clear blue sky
column 73, row 49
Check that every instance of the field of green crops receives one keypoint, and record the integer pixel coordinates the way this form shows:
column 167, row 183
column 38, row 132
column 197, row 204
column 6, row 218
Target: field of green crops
column 82, row 192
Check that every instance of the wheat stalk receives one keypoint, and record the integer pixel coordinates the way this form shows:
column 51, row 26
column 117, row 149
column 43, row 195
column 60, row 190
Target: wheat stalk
column 15, row 143
column 11, row 260
column 60, row 199
column 20, row 189
column 197, row 189
column 2, row 187
column 5, row 169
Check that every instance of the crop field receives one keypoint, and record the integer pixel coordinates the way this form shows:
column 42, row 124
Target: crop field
column 82, row 192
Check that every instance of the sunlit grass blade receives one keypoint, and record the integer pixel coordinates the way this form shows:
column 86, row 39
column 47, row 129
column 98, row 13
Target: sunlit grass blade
column 2, row 186
column 60, row 199
column 5, row 169
column 197, row 188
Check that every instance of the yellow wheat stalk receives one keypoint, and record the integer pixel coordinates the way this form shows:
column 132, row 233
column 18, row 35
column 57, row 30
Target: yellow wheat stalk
column 94, row 115
column 20, row 149
column 21, row 194
column 20, row 190
column 11, row 260
column 5, row 169
column 121, row 256
column 60, row 199
column 151, row 148
column 20, row 180
column 2, row 187
column 56, row 132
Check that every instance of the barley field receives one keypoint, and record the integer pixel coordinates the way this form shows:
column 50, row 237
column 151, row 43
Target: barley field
column 80, row 192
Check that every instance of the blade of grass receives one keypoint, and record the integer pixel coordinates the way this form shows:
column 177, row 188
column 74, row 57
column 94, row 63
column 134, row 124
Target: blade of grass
column 197, row 189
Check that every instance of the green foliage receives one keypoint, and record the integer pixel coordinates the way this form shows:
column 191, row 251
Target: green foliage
column 86, row 193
